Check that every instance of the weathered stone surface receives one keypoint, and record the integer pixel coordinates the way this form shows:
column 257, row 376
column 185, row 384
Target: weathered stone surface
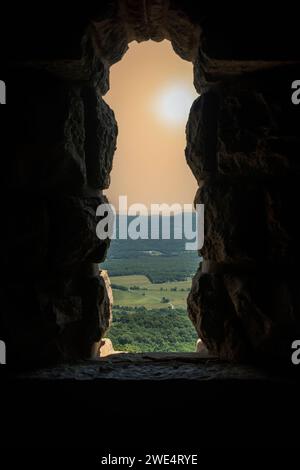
column 239, row 395
column 282, row 224
column 202, row 349
column 268, row 309
column 250, row 222
column 201, row 134
column 230, row 48
column 154, row 367
column 48, row 153
column 141, row 21
column 235, row 228
column 208, row 71
column 240, row 317
column 243, row 141
column 246, row 126
column 110, row 38
column 183, row 33
column 101, row 136
column 106, row 348
column 89, row 70
column 238, row 34
column 135, row 17
column 55, row 320
column 211, row 311
column 74, row 238
column 256, row 128
column 96, row 313
column 107, row 302
column 254, row 136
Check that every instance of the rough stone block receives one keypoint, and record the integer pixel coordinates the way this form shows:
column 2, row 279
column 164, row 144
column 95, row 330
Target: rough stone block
column 101, row 137
column 235, row 229
column 74, row 239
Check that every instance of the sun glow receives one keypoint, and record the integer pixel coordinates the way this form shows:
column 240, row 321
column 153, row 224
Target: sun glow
column 151, row 92
column 172, row 103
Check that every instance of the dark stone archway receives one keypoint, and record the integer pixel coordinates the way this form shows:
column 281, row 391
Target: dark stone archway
column 242, row 146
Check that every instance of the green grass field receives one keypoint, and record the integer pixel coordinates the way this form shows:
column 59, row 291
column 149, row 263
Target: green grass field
column 141, row 292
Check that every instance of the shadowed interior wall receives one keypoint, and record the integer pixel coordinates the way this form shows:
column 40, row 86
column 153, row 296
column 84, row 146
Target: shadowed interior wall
column 242, row 146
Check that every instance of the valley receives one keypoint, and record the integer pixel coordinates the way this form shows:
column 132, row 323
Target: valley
column 151, row 280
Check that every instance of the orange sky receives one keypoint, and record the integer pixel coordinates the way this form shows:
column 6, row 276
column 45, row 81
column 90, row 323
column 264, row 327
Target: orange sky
column 151, row 91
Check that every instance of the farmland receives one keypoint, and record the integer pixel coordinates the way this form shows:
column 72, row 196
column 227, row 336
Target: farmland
column 151, row 317
column 137, row 290
column 151, row 280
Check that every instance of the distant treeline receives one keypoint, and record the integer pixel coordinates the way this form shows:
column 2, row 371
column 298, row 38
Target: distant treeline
column 158, row 269
column 125, row 288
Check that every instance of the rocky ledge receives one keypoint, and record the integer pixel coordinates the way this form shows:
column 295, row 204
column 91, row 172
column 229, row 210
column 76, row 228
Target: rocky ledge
column 154, row 367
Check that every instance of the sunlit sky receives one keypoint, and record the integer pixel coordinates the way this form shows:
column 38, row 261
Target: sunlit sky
column 151, row 92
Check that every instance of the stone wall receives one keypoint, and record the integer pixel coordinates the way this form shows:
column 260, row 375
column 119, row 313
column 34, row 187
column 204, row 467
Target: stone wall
column 243, row 146
column 60, row 136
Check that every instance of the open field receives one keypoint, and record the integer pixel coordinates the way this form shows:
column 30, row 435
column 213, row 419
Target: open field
column 137, row 290
column 151, row 280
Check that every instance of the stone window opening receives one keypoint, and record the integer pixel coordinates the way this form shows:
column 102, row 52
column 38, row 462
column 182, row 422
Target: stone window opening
column 151, row 143
column 242, row 139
